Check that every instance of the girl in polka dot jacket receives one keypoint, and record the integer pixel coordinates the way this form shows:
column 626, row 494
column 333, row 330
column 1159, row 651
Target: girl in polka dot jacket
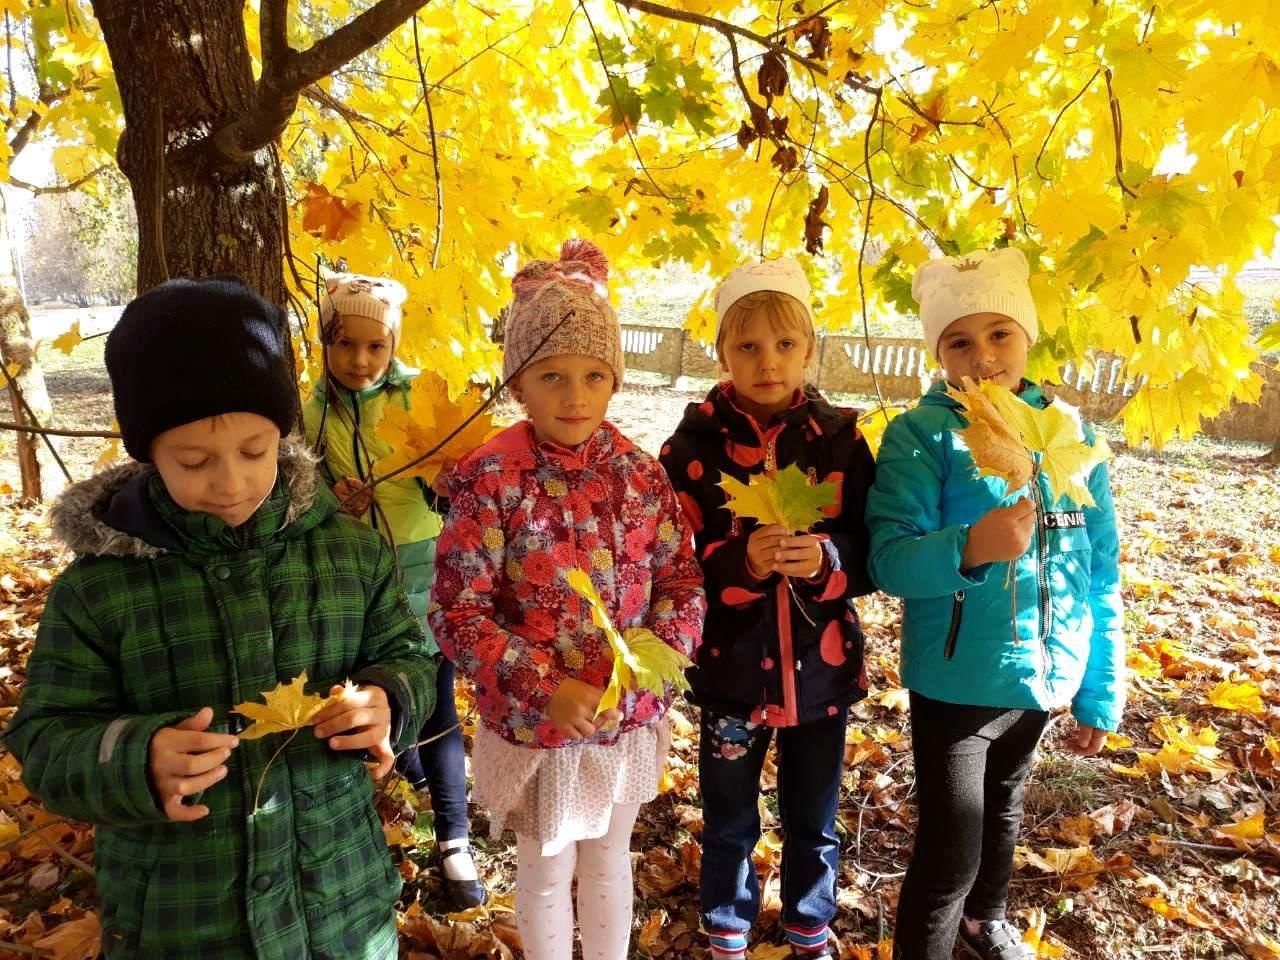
column 561, row 490
column 782, row 647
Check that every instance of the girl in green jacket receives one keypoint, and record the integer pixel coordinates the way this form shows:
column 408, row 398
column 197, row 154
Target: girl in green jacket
column 360, row 318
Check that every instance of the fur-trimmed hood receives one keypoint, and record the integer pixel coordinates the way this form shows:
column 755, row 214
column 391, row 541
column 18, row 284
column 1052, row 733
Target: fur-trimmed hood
column 96, row 517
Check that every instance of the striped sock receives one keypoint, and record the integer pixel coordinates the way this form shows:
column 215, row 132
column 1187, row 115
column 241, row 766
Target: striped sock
column 727, row 946
column 806, row 939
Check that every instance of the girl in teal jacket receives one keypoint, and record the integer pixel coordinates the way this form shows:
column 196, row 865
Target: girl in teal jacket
column 360, row 321
column 983, row 675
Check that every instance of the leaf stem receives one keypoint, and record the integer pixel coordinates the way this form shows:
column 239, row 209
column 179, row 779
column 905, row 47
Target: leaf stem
column 257, row 795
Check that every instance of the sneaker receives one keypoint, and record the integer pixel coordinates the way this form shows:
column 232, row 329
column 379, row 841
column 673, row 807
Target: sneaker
column 826, row 951
column 996, row 940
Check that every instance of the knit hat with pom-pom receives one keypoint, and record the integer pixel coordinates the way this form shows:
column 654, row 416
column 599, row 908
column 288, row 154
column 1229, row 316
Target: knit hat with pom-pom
column 562, row 307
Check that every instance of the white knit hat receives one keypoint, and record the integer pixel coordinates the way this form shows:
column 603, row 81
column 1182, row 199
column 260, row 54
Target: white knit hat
column 356, row 295
column 996, row 281
column 783, row 275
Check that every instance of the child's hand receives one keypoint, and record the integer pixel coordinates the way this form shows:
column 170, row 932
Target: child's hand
column 1086, row 740
column 799, row 556
column 1003, row 534
column 762, row 549
column 440, row 485
column 572, row 709
column 185, row 760
column 364, row 720
column 353, row 496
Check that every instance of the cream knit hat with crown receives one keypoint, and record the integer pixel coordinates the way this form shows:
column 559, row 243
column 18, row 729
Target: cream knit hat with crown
column 783, row 275
column 996, row 281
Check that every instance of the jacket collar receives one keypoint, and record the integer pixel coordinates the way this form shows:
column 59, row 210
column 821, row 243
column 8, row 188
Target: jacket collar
column 720, row 413
column 516, row 448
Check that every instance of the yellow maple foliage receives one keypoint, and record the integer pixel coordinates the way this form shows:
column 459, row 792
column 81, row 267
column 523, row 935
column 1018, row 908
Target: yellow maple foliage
column 787, row 498
column 995, row 444
column 287, row 706
column 641, row 660
column 425, row 427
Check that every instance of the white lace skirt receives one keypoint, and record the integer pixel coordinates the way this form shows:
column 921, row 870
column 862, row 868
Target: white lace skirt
column 557, row 796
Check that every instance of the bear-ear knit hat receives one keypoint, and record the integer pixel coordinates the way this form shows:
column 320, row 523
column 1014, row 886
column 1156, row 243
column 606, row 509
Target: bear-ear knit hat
column 357, row 295
column 191, row 349
column 784, row 275
column 562, row 307
column 996, row 281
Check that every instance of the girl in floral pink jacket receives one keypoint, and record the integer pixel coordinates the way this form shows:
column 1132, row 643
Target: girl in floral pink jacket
column 560, row 490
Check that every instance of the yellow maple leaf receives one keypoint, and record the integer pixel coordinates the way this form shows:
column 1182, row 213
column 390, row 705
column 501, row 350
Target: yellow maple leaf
column 287, row 707
column 328, row 216
column 641, row 661
column 786, row 498
column 995, row 445
column 431, row 417
column 1250, row 828
column 69, row 340
column 1245, row 697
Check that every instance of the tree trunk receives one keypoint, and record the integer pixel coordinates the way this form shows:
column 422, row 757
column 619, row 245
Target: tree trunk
column 39, row 474
column 1275, row 450
column 184, row 71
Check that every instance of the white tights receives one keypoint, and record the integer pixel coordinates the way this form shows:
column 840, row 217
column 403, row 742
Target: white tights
column 544, row 908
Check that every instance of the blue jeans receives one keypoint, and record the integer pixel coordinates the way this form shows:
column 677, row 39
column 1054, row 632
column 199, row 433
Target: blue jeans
column 810, row 763
column 440, row 766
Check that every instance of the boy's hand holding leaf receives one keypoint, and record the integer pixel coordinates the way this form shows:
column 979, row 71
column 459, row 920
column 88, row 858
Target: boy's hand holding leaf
column 641, row 661
column 358, row 718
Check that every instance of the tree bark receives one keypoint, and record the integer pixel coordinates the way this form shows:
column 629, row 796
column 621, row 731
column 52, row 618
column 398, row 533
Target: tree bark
column 1275, row 451
column 184, row 74
column 17, row 349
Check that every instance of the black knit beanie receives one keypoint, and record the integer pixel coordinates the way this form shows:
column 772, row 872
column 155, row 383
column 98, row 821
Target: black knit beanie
column 191, row 349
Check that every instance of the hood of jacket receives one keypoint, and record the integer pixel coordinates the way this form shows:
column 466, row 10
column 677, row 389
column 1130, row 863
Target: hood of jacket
column 126, row 512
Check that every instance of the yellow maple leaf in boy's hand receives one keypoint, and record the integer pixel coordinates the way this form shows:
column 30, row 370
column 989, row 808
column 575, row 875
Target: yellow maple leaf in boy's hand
column 288, row 707
column 431, row 417
column 786, row 499
column 641, row 661
column 994, row 443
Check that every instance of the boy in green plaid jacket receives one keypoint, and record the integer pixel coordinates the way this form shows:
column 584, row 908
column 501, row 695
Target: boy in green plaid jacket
column 207, row 572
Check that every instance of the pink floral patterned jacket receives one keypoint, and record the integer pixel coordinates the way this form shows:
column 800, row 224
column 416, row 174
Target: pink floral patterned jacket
column 522, row 515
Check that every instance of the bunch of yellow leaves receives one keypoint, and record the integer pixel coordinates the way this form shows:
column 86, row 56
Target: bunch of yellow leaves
column 641, row 661
column 432, row 416
column 786, row 499
column 1005, row 435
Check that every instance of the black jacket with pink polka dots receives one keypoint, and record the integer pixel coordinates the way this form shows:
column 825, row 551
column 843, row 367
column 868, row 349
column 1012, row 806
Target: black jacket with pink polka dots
column 772, row 652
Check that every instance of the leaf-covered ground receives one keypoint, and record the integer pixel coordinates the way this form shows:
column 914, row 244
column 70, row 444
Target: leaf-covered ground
column 1167, row 845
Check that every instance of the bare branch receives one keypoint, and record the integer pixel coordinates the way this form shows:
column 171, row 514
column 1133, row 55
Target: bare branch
column 724, row 28
column 1054, row 126
column 273, row 33
column 866, row 235
column 58, row 187
column 1117, row 128
column 435, row 148
column 349, row 41
column 235, row 145
column 618, row 103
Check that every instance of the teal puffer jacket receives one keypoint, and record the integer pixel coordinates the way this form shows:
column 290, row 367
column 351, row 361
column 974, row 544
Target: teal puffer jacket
column 958, row 631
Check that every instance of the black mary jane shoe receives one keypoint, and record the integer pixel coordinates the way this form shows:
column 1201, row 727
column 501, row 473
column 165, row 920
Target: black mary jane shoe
column 462, row 894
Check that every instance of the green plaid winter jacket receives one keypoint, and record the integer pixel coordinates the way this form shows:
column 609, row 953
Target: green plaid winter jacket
column 165, row 611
